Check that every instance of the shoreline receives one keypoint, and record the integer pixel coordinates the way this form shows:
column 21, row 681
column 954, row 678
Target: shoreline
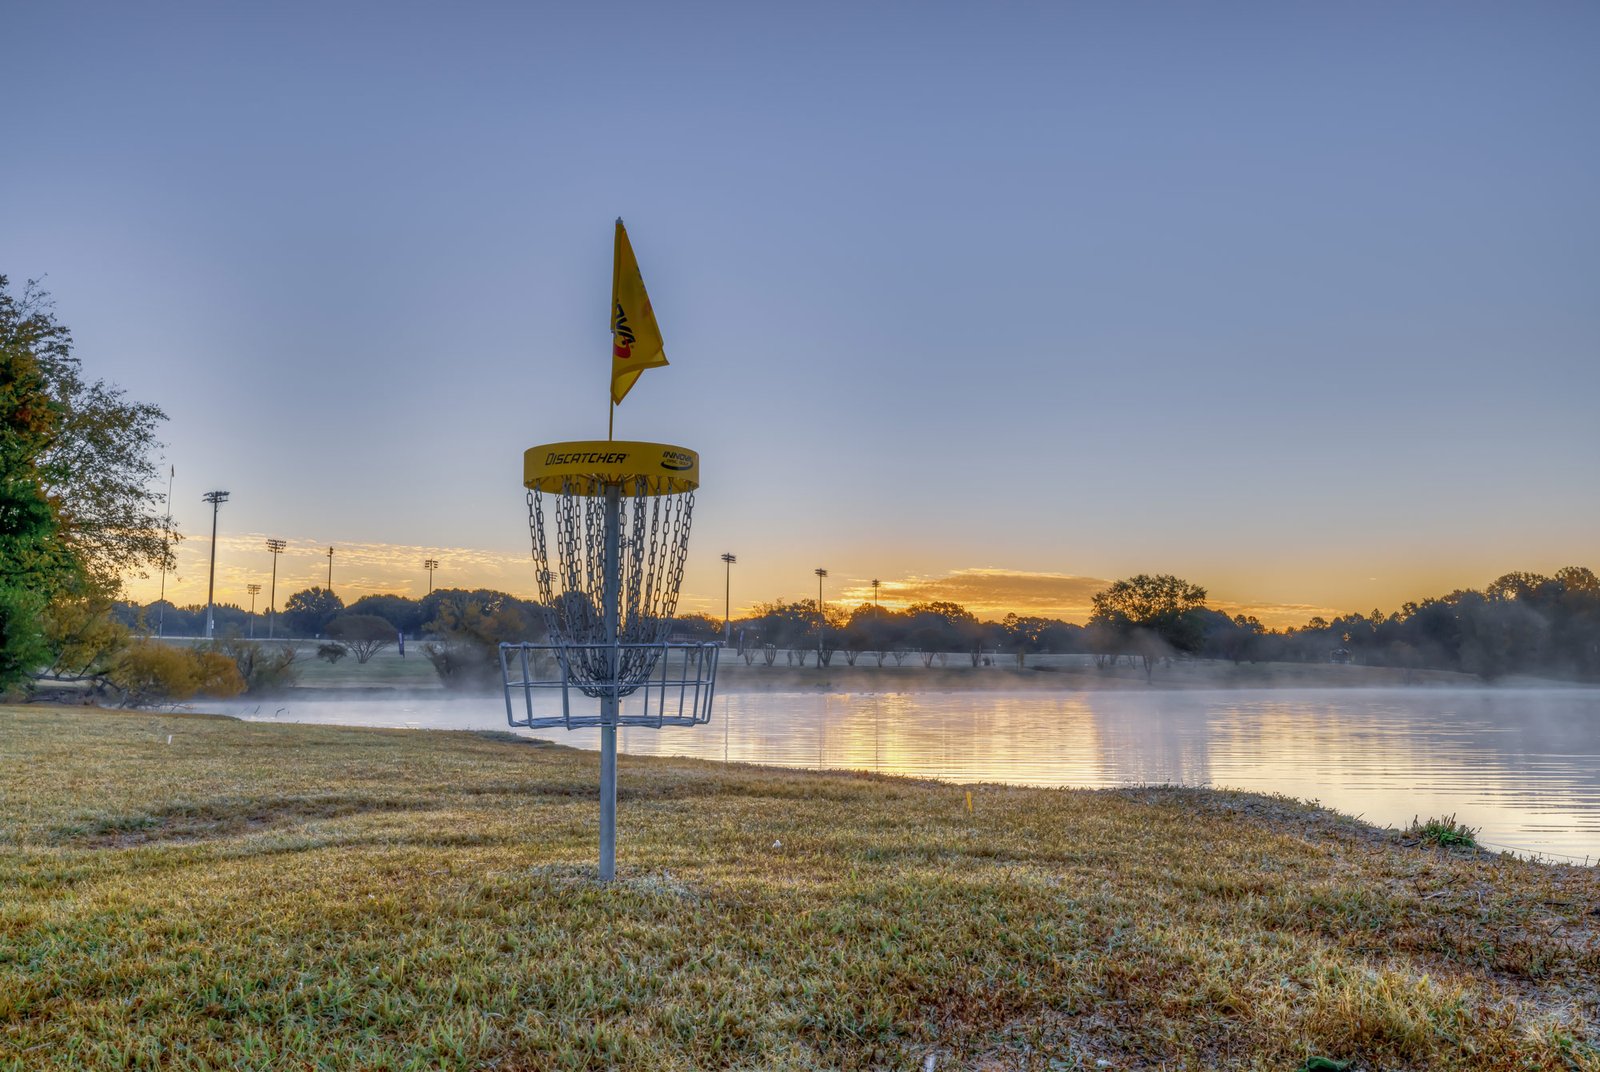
column 345, row 896
column 736, row 677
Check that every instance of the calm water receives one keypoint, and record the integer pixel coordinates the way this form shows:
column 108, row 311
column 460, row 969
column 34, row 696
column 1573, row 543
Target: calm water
column 1522, row 765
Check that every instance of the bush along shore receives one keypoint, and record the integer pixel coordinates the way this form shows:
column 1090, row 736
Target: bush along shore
column 188, row 892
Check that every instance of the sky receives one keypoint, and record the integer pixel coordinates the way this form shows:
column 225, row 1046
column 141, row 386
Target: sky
column 992, row 302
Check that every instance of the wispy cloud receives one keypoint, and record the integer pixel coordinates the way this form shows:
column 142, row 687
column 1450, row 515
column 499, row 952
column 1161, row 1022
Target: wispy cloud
column 994, row 593
column 358, row 569
column 368, row 568
column 991, row 593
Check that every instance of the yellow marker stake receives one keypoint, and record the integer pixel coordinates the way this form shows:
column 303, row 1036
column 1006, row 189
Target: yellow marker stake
column 969, row 802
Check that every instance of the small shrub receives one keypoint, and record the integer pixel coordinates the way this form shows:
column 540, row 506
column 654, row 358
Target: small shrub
column 216, row 675
column 264, row 667
column 150, row 673
column 1446, row 832
column 463, row 665
column 332, row 652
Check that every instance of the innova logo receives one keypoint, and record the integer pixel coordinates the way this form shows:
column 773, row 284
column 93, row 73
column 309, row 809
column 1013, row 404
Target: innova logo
column 676, row 460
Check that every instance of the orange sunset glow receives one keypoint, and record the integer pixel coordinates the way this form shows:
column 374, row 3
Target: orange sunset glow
column 361, row 569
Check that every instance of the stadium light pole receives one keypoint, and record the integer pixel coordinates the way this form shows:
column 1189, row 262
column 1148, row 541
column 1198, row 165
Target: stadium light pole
column 875, row 584
column 216, row 499
column 430, row 564
column 821, row 573
column 276, row 547
column 728, row 559
column 166, row 552
column 255, row 590
column 330, row 571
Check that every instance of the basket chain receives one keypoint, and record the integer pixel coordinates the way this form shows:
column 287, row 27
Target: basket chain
column 652, row 557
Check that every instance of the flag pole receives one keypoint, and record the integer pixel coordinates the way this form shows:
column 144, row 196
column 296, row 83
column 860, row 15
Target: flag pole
column 616, row 266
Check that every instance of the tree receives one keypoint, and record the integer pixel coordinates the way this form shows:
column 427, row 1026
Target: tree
column 469, row 627
column 363, row 634
column 34, row 563
column 77, row 507
column 940, row 627
column 406, row 614
column 1152, row 616
column 784, row 625
column 99, row 466
column 697, row 627
column 308, row 613
column 1025, row 635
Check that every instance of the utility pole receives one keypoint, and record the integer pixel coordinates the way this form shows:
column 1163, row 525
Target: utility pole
column 255, row 590
column 276, row 547
column 430, row 564
column 728, row 559
column 330, row 571
column 216, row 499
column 821, row 573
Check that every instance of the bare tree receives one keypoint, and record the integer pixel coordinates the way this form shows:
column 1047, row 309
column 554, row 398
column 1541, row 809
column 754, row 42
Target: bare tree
column 364, row 634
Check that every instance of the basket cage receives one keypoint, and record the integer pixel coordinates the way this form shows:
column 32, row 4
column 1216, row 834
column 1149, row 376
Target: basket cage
column 677, row 688
column 569, row 531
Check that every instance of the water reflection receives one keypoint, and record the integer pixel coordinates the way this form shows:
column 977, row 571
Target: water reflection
column 1523, row 765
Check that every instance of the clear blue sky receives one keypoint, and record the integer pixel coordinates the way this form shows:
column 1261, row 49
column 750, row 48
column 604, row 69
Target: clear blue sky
column 1298, row 301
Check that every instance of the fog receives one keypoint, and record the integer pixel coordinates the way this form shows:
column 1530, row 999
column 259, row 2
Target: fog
column 1521, row 764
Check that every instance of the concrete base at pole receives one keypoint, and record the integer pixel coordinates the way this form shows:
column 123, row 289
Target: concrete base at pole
column 608, row 802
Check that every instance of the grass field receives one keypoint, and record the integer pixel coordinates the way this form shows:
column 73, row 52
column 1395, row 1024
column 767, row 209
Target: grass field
column 388, row 669
column 190, row 892
column 413, row 672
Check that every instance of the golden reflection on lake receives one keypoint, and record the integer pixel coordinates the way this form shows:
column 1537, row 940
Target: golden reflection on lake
column 1523, row 765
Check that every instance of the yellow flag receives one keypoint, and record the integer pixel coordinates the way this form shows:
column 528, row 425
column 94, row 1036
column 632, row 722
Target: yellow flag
column 635, row 340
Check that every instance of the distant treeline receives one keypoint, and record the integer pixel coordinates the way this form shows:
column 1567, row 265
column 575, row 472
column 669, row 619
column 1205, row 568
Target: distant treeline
column 1521, row 623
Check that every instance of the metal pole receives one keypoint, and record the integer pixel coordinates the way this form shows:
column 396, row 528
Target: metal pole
column 728, row 559
column 216, row 499
column 276, row 546
column 166, row 543
column 211, row 582
column 821, row 573
column 330, row 570
column 608, row 704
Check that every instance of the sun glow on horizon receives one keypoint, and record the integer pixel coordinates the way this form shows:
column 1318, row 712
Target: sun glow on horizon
column 368, row 568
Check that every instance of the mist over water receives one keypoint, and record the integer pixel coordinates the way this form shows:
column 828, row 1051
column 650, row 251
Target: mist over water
column 1523, row 765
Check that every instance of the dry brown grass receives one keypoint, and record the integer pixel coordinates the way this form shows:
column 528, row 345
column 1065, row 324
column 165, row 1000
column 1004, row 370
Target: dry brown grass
column 268, row 896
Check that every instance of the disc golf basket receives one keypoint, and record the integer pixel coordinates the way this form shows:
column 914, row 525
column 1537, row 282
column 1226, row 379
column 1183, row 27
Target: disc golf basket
column 610, row 528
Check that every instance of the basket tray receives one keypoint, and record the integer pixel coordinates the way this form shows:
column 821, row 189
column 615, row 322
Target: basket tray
column 677, row 691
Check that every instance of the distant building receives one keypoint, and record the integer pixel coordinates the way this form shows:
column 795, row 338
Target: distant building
column 1340, row 656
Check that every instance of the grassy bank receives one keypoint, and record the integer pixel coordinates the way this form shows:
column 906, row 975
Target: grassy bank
column 190, row 892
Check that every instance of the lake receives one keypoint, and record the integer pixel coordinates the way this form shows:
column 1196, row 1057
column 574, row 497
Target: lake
column 1522, row 765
